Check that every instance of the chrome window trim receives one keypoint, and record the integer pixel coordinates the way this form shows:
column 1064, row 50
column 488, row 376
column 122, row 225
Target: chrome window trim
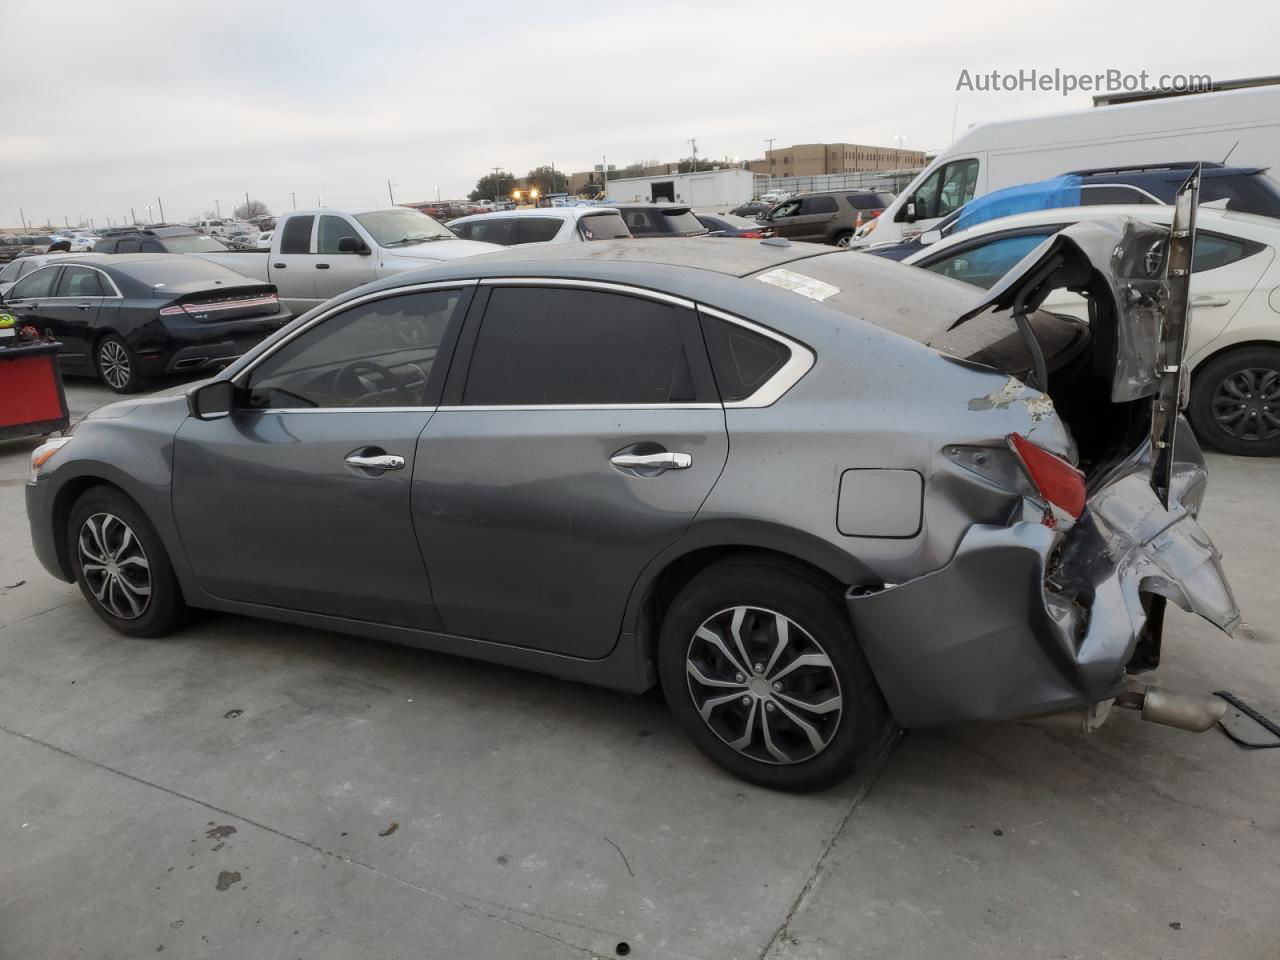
column 519, row 407
column 610, row 286
column 423, row 410
column 791, row 372
column 46, row 266
column 339, row 308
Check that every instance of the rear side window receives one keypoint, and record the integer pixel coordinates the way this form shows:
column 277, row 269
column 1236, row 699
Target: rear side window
column 983, row 265
column 683, row 221
column 128, row 245
column 37, row 284
column 105, row 246
column 868, row 201
column 818, row 205
column 80, row 282
column 152, row 246
column 742, row 359
column 1254, row 193
column 603, row 226
column 541, row 345
column 296, row 237
column 536, row 229
column 1214, row 250
column 10, row 272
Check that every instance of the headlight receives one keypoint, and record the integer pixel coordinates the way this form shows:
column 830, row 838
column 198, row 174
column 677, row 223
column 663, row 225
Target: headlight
column 43, row 453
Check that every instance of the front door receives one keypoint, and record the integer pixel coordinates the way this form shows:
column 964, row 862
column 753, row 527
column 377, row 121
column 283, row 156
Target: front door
column 71, row 315
column 337, row 271
column 582, row 443
column 301, row 497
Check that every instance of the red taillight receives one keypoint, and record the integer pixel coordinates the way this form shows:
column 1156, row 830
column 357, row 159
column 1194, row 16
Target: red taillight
column 1061, row 484
column 871, row 215
column 751, row 235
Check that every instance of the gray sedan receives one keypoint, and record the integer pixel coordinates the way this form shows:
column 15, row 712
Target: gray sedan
column 808, row 493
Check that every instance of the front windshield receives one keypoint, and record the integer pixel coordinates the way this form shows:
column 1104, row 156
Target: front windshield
column 402, row 227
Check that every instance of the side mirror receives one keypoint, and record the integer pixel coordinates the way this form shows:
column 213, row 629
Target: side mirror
column 211, row 401
column 930, row 236
column 911, row 211
column 353, row 245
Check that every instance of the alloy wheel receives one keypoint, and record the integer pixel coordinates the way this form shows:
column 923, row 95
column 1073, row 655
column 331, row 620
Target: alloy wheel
column 115, row 566
column 764, row 685
column 113, row 361
column 1246, row 404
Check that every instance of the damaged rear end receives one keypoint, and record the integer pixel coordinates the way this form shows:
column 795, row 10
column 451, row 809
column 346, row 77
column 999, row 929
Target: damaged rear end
column 1054, row 612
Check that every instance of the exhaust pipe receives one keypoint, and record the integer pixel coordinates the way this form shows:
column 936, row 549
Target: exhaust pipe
column 1181, row 710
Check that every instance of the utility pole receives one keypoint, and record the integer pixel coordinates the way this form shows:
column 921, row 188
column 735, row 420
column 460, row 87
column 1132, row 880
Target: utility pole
column 247, row 211
column 437, row 194
column 161, row 206
column 217, row 204
column 23, row 214
column 133, row 217
column 693, row 166
column 497, row 184
column 391, row 195
column 293, row 197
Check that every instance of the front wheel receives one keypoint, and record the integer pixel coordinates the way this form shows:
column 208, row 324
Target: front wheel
column 121, row 566
column 844, row 239
column 1235, row 402
column 761, row 668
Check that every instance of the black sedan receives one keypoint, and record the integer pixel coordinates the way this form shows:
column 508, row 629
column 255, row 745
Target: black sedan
column 727, row 225
column 131, row 317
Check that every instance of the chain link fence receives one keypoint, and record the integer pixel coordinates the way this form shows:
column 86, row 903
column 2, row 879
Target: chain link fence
column 881, row 181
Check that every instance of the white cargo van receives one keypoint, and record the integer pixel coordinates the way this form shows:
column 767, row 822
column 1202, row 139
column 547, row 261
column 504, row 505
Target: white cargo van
column 1244, row 123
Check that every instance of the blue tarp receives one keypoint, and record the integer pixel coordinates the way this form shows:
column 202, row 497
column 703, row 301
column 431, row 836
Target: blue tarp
column 1024, row 198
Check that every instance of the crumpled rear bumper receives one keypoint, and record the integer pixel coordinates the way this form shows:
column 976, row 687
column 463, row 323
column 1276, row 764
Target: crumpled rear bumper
column 1026, row 621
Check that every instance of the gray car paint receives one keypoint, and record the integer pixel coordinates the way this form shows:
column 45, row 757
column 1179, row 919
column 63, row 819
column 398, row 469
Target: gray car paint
column 873, row 400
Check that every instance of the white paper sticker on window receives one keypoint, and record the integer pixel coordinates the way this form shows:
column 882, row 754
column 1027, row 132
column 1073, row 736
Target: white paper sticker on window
column 799, row 283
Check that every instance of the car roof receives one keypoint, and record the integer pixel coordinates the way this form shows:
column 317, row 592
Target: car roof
column 561, row 213
column 649, row 205
column 690, row 253
column 1206, row 217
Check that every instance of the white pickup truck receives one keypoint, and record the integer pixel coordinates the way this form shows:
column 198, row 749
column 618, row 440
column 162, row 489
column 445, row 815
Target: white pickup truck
column 318, row 254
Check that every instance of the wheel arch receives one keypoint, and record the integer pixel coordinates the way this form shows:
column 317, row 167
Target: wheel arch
column 1226, row 348
column 713, row 542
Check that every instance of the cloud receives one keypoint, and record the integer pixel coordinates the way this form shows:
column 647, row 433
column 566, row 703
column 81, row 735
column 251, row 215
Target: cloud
column 202, row 102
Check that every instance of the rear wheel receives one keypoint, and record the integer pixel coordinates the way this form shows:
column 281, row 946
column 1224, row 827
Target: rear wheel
column 121, row 566
column 117, row 365
column 760, row 667
column 1235, row 402
column 844, row 238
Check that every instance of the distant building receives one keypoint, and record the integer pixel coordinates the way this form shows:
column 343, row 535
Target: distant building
column 725, row 187
column 817, row 159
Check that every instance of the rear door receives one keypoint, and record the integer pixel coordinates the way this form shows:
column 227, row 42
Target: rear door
column 577, row 440
column 72, row 313
column 806, row 218
column 293, row 268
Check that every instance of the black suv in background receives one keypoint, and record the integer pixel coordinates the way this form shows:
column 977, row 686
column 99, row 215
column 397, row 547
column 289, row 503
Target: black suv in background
column 660, row 220
column 1245, row 189
column 828, row 217
column 159, row 240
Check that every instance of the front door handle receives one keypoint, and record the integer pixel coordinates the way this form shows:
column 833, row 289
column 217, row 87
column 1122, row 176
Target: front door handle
column 659, row 461
column 278, row 266
column 322, row 266
column 382, row 461
column 1206, row 300
column 84, row 306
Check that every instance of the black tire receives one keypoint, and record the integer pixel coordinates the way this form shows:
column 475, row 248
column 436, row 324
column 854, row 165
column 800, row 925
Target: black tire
column 163, row 609
column 770, row 588
column 117, row 365
column 1225, row 381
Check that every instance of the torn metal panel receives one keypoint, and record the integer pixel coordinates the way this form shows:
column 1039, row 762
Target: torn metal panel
column 1026, row 620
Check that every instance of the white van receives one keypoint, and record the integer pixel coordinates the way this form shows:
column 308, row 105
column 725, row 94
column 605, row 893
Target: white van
column 1244, row 123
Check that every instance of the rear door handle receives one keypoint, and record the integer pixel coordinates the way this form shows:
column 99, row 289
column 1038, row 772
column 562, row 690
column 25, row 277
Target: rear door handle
column 279, row 266
column 1209, row 301
column 84, row 306
column 662, row 461
column 322, row 266
column 382, row 461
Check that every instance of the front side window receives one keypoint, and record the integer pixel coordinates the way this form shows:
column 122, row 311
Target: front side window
column 332, row 230
column 377, row 354
column 129, row 245
column 788, row 209
column 10, row 273
column 297, row 235
column 948, row 188
column 498, row 230
column 983, row 266
column 80, row 282
column 36, row 284
column 152, row 246
column 541, row 345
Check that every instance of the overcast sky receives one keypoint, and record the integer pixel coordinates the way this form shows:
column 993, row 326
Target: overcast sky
column 112, row 104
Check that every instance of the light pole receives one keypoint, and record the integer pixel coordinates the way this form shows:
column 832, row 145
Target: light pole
column 150, row 217
column 693, row 165
column 497, row 184
column 161, row 206
column 293, row 198
column 391, row 195
column 217, row 205
column 437, row 194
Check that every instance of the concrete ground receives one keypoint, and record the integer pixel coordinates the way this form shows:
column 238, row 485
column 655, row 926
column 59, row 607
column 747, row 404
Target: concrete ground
column 244, row 789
